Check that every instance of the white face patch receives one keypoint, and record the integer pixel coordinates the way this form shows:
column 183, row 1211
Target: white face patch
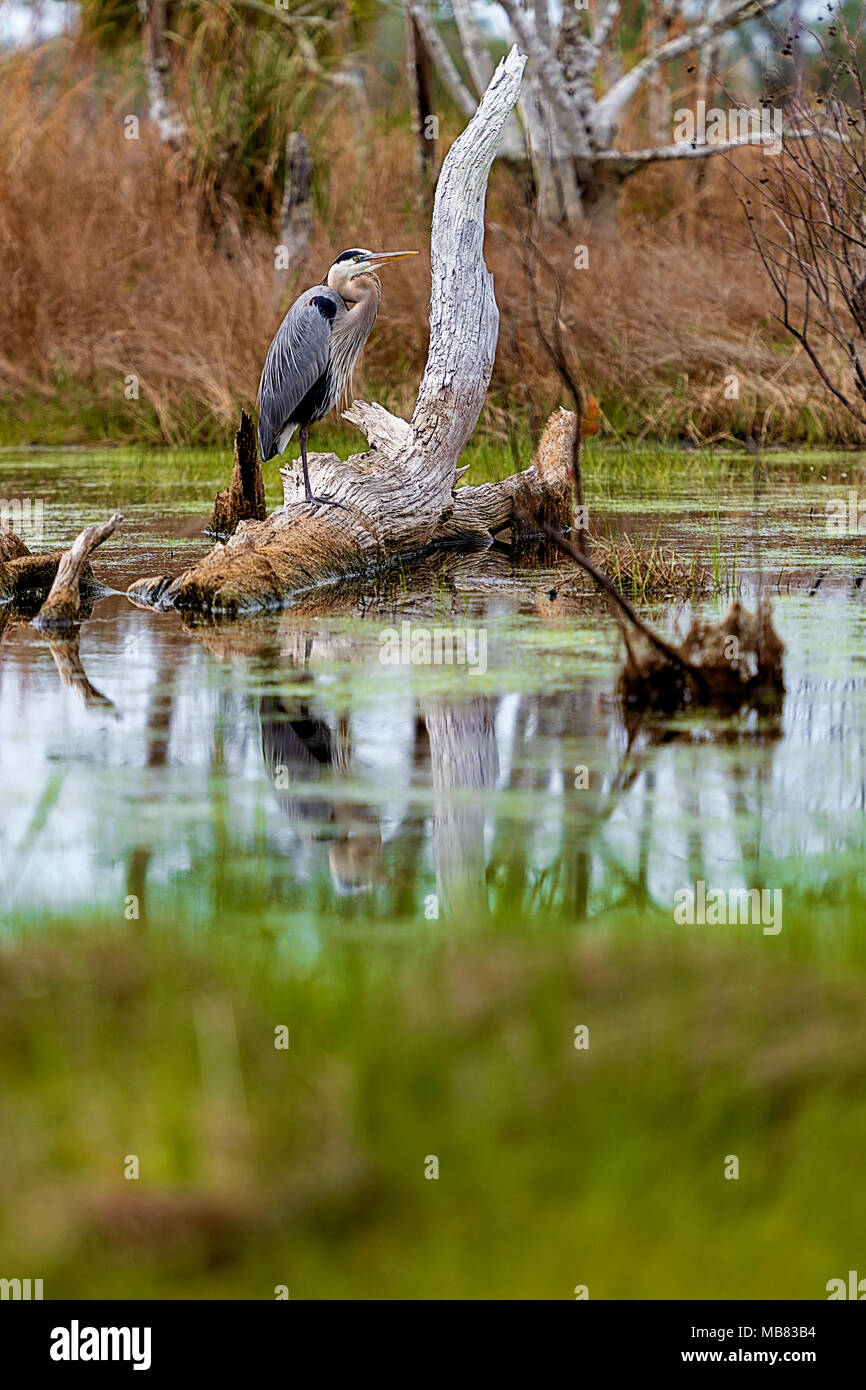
column 361, row 267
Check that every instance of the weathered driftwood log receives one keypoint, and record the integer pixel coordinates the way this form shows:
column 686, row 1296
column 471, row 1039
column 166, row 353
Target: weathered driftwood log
column 244, row 498
column 399, row 498
column 62, row 608
column 267, row 563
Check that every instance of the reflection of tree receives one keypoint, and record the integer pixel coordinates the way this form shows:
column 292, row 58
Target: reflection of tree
column 66, row 654
column 547, row 844
column 67, row 659
column 407, row 845
column 542, row 774
column 751, row 738
column 463, row 759
column 160, row 708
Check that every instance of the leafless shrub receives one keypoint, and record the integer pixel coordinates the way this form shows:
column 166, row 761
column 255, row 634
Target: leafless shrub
column 807, row 216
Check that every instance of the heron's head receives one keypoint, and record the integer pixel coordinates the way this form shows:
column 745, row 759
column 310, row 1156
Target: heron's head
column 350, row 264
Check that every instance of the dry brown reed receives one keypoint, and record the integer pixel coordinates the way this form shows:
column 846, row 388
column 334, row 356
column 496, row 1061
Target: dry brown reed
column 110, row 269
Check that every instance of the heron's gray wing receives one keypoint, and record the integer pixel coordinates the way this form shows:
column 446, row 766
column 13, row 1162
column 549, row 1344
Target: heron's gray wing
column 296, row 359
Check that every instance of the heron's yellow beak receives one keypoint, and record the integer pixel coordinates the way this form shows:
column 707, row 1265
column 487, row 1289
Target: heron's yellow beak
column 378, row 258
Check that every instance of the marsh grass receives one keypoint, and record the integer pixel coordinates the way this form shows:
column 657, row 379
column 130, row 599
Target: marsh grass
column 120, row 260
column 305, row 1167
column 647, row 570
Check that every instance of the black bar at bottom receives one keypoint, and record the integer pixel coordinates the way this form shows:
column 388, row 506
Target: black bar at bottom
column 83, row 1339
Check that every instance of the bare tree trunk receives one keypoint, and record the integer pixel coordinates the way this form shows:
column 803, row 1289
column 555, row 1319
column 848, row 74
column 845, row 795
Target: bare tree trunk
column 163, row 112
column 480, row 65
column 422, row 90
column 454, row 84
column 601, row 186
column 296, row 219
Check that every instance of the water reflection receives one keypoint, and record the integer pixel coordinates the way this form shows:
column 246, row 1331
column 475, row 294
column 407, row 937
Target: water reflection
column 301, row 749
column 278, row 763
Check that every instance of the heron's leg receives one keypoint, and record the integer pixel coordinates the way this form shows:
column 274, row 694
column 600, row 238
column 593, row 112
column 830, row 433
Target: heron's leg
column 325, row 501
column 302, row 435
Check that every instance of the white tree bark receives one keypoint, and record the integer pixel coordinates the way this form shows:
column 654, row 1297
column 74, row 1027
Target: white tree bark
column 475, row 51
column 480, row 66
column 164, row 115
column 571, row 126
column 621, row 93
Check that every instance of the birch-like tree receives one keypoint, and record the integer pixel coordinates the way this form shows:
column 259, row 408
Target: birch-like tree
column 577, row 93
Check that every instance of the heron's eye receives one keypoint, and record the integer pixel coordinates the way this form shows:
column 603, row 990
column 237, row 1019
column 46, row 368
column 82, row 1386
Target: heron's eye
column 357, row 258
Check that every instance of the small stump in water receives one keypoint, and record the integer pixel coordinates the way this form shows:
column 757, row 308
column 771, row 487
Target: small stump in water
column 63, row 606
column 734, row 662
column 244, row 498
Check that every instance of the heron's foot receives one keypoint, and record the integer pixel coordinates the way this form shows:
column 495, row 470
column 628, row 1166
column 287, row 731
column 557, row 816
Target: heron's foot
column 325, row 501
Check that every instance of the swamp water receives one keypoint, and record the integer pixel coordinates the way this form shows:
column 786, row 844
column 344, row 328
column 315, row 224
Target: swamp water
column 285, row 763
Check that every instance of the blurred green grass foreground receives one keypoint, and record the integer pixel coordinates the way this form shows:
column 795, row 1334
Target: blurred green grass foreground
column 311, row 1166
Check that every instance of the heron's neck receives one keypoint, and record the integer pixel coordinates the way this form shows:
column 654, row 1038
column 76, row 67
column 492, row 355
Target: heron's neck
column 365, row 292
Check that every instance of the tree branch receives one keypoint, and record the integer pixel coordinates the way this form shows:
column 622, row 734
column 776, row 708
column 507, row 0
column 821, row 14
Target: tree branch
column 629, row 161
column 454, row 84
column 626, row 86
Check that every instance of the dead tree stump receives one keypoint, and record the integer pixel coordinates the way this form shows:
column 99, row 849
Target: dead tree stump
column 62, row 607
column 244, row 498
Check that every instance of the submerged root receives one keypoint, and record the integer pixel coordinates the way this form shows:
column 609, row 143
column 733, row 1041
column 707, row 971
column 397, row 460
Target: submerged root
column 733, row 662
column 26, row 579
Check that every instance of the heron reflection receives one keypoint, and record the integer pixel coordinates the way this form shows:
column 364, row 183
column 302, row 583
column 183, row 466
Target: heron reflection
column 302, row 750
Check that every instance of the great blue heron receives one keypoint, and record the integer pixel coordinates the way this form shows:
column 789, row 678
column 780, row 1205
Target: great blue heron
column 309, row 364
